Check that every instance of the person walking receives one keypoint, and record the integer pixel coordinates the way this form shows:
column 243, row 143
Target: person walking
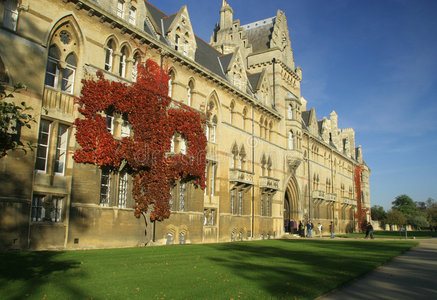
column 301, row 230
column 320, row 228
column 369, row 231
column 310, row 227
column 331, row 229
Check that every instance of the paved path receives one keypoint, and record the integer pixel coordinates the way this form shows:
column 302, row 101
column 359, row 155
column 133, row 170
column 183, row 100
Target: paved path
column 412, row 275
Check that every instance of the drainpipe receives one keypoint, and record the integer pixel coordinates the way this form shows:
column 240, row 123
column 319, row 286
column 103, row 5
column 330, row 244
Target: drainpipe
column 253, row 169
column 274, row 84
column 309, row 179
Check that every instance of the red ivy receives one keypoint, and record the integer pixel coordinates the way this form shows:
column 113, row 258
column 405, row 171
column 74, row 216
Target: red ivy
column 360, row 215
column 145, row 154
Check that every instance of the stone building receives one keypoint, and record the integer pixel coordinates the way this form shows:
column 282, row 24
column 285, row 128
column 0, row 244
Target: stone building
column 271, row 162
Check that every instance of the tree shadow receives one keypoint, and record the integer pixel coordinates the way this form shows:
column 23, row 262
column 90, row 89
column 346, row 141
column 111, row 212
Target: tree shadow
column 285, row 271
column 33, row 270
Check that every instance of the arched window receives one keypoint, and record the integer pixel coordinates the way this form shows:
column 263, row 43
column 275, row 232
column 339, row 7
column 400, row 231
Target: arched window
column 190, row 88
column 290, row 140
column 123, row 65
column 109, row 55
column 231, row 112
column 10, row 18
column 171, row 76
column 213, row 128
column 169, row 239
column 181, row 238
column 52, row 70
column 137, row 60
column 290, row 112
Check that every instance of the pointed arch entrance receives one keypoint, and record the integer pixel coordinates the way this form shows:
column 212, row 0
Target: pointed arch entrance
column 291, row 206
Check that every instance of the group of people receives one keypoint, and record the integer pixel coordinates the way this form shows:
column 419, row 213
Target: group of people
column 310, row 228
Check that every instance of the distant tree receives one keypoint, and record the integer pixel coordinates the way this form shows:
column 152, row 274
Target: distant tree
column 405, row 205
column 12, row 118
column 378, row 213
column 420, row 205
column 395, row 217
column 418, row 220
column 431, row 211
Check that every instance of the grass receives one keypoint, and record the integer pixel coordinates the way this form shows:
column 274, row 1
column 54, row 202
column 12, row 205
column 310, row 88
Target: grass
column 425, row 234
column 271, row 269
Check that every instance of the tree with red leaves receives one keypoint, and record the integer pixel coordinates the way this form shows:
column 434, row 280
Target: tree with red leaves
column 146, row 155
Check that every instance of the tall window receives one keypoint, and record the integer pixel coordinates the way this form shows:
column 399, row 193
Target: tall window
column 109, row 55
column 181, row 238
column 212, row 190
column 105, row 188
column 189, row 93
column 52, row 70
column 290, row 112
column 185, row 48
column 61, row 148
column 67, row 84
column 169, row 239
column 122, row 190
column 262, row 205
column 43, row 145
column 170, row 202
column 170, row 84
column 176, row 42
column 137, row 59
column 213, row 129
column 182, row 197
column 110, row 123
column 10, row 18
column 240, row 202
column 120, row 8
column 122, row 67
column 269, row 201
column 290, row 140
column 132, row 15
column 232, row 201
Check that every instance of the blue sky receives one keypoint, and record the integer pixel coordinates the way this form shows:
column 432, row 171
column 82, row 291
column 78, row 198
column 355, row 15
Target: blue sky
column 372, row 61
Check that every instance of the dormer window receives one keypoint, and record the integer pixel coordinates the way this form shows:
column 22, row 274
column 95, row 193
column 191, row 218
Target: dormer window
column 185, row 47
column 120, row 8
column 132, row 15
column 176, row 42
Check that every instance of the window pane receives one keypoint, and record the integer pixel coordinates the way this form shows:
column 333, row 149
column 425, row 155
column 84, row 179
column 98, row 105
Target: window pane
column 122, row 190
column 43, row 144
column 67, row 79
column 105, row 188
column 61, row 148
column 52, row 72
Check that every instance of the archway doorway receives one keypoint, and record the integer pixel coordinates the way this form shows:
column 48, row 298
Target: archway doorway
column 287, row 215
column 291, row 207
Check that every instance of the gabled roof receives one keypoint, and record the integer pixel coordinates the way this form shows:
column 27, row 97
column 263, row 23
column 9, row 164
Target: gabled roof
column 254, row 80
column 306, row 117
column 225, row 60
column 156, row 14
column 208, row 57
column 166, row 22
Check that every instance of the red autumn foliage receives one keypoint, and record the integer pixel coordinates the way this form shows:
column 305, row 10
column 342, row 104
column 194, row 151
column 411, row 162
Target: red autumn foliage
column 360, row 215
column 146, row 153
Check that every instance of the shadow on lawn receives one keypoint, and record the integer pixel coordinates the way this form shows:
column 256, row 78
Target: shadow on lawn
column 34, row 270
column 284, row 270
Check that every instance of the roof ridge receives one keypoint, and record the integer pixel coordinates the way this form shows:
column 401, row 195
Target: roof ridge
column 156, row 8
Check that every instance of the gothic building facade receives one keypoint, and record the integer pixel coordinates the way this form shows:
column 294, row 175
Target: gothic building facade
column 271, row 162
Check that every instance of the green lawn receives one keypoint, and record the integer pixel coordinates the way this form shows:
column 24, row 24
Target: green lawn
column 279, row 269
column 424, row 234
